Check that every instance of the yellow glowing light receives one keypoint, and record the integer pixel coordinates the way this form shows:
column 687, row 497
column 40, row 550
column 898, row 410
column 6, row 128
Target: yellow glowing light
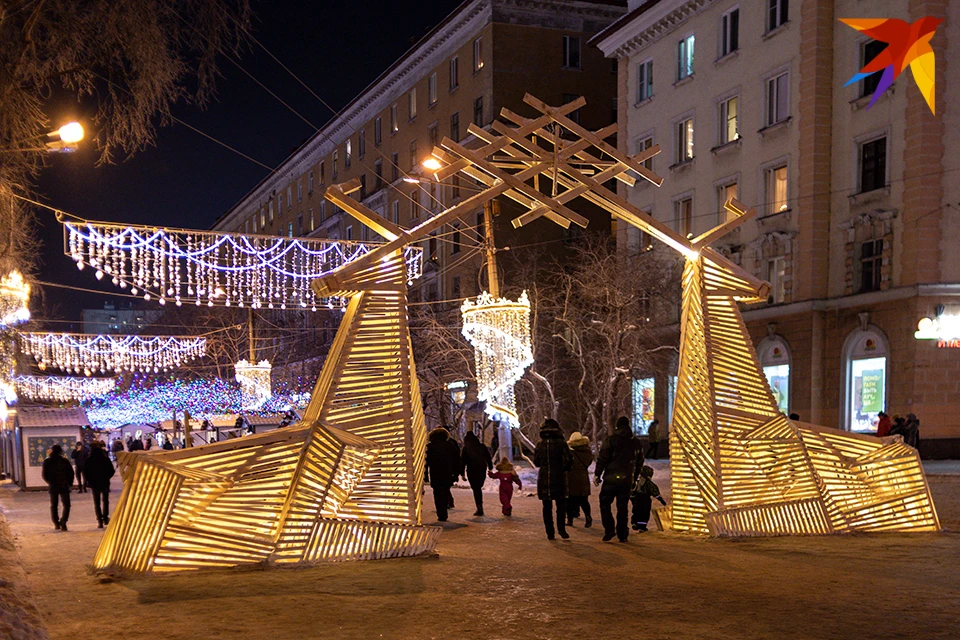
column 432, row 164
column 14, row 299
column 71, row 132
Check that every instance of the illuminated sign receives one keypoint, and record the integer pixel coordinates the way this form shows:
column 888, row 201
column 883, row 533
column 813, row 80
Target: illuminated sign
column 944, row 329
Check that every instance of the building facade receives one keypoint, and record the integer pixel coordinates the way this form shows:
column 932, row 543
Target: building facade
column 858, row 209
column 115, row 318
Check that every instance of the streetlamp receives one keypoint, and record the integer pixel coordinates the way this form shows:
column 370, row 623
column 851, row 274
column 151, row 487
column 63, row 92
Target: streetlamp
column 64, row 140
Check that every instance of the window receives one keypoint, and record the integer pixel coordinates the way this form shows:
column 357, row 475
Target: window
column 729, row 32
column 299, row 224
column 573, row 115
column 571, row 52
column 434, row 132
column 478, row 111
column 685, row 57
column 777, row 189
column 394, row 123
column 873, row 165
column 644, row 81
column 729, row 120
column 336, row 153
column 432, row 89
column 263, row 220
column 777, row 13
column 775, row 273
column 396, row 212
column 377, row 131
column 413, row 155
column 865, row 371
column 289, row 197
column 454, row 73
column 455, row 287
column 455, row 127
column 246, row 225
column 323, row 211
column 394, row 166
column 775, row 359
column 642, row 145
column 683, row 213
column 638, row 241
column 871, row 261
column 378, row 172
column 363, row 187
column 432, row 248
column 415, row 203
column 412, row 102
column 349, row 232
column 724, row 193
column 300, row 190
column 477, row 55
column 868, row 52
column 270, row 207
column 255, row 222
column 348, row 156
column 312, row 221
column 310, row 182
column 685, row 140
column 323, row 172
column 362, row 144
column 455, row 240
column 642, row 392
column 289, row 229
column 778, row 99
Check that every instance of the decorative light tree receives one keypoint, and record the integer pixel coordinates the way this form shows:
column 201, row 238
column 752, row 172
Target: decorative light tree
column 14, row 300
column 90, row 353
column 62, row 388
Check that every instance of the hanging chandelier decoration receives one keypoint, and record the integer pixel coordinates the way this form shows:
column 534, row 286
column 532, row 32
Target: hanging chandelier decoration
column 90, row 353
column 202, row 267
column 254, row 382
column 499, row 330
column 14, row 300
column 62, row 388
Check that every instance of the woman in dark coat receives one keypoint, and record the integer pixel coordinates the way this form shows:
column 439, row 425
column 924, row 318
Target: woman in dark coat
column 475, row 462
column 443, row 465
column 552, row 456
column 99, row 472
column 578, row 479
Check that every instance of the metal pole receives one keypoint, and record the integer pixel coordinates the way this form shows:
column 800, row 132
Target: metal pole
column 490, row 248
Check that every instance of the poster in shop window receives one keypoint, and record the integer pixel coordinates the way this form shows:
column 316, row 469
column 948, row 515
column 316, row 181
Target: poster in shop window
column 871, row 391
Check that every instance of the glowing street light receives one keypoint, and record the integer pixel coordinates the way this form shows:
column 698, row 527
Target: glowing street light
column 431, row 164
column 71, row 133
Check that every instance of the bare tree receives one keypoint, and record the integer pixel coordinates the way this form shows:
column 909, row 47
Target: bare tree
column 132, row 59
column 599, row 308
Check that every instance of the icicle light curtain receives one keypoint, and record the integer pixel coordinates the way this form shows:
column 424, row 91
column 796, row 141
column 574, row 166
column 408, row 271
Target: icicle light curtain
column 92, row 353
column 202, row 267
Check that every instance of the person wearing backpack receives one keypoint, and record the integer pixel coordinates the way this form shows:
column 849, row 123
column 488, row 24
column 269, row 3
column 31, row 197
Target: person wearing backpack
column 618, row 465
column 578, row 479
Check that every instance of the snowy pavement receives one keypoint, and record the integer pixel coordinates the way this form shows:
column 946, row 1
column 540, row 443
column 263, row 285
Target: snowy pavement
column 497, row 579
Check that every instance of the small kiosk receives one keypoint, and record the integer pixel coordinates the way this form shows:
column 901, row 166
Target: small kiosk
column 36, row 430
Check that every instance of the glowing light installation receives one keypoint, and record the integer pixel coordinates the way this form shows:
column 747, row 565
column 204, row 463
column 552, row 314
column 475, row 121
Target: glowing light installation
column 14, row 300
column 738, row 466
column 499, row 330
column 62, row 388
column 89, row 353
column 202, row 267
column 254, row 381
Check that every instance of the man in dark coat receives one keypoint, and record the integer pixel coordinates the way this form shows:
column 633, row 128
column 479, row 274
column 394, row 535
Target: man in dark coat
column 552, row 456
column 99, row 472
column 475, row 462
column 58, row 474
column 618, row 464
column 117, row 447
column 79, row 455
column 443, row 465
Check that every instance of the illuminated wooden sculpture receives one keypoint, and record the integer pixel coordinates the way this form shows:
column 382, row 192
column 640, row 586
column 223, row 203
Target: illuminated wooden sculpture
column 738, row 466
column 346, row 482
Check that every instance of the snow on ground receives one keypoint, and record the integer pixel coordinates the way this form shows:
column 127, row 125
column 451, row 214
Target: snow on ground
column 498, row 578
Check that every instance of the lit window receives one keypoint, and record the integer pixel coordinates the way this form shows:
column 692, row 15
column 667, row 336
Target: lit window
column 865, row 372
column 312, row 222
column 729, row 32
column 643, row 404
column 270, row 206
column 645, row 80
column 777, row 13
column 477, row 54
column 310, row 182
column 394, row 124
column 685, row 57
column 685, row 140
column 348, row 156
column 724, row 193
column 873, row 165
column 432, row 89
column 454, row 73
column 571, row 52
column 729, row 120
column 412, row 102
column 776, row 276
column 777, row 189
column 263, row 219
column 778, row 98
column 775, row 360
column 290, row 230
column 683, row 213
column 323, row 172
column 377, row 131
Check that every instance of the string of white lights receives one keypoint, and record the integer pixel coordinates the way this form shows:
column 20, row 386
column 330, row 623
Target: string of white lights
column 14, row 300
column 89, row 354
column 203, row 267
column 499, row 330
column 62, row 388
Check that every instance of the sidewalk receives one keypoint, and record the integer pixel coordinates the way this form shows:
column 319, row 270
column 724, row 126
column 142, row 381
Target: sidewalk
column 942, row 467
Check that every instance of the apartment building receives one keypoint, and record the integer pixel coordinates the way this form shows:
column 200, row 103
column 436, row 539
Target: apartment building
column 858, row 209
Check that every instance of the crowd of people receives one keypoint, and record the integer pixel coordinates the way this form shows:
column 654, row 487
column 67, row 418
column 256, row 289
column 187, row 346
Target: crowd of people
column 563, row 478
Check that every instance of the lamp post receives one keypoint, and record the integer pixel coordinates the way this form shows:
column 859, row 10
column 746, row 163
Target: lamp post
column 66, row 139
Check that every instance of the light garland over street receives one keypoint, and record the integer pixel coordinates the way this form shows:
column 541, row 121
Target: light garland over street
column 89, row 353
column 201, row 267
column 499, row 330
column 62, row 388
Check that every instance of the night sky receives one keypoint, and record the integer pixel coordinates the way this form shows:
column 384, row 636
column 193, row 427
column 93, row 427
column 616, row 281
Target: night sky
column 188, row 181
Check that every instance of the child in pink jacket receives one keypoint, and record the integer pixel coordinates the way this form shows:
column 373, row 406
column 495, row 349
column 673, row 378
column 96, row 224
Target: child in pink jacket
column 507, row 476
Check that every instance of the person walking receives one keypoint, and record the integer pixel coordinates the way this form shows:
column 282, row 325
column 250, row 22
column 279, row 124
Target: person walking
column 117, row 447
column 578, row 479
column 553, row 457
column 617, row 467
column 911, row 431
column 80, row 454
column 653, row 440
column 58, row 474
column 99, row 472
column 136, row 445
column 507, row 476
column 167, row 445
column 475, row 461
column 884, row 424
column 642, row 496
column 443, row 463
